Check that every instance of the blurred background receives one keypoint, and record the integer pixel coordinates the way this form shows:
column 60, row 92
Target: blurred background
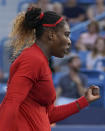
column 82, row 67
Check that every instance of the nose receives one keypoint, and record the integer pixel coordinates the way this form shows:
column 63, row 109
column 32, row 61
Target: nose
column 69, row 42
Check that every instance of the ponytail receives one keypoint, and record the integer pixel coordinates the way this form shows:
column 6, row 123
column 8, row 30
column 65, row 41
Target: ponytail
column 20, row 36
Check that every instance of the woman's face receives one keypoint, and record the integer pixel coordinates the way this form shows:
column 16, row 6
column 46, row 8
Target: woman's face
column 62, row 42
column 99, row 1
column 100, row 45
column 92, row 29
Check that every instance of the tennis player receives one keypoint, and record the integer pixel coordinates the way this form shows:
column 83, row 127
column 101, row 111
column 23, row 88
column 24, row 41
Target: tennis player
column 29, row 101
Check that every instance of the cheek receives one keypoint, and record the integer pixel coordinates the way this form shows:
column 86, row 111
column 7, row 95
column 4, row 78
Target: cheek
column 56, row 46
column 100, row 46
column 60, row 42
column 59, row 45
column 63, row 41
column 77, row 63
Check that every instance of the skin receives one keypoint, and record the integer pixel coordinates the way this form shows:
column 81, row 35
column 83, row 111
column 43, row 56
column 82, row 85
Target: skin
column 75, row 64
column 57, row 43
column 100, row 2
column 100, row 46
column 92, row 29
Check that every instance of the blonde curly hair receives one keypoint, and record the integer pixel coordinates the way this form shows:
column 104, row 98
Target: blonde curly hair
column 20, row 37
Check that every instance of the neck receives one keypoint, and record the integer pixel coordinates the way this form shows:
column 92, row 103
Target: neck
column 44, row 48
column 73, row 72
column 92, row 33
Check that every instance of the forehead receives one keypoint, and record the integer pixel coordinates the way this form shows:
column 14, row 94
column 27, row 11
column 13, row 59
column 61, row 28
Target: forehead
column 66, row 28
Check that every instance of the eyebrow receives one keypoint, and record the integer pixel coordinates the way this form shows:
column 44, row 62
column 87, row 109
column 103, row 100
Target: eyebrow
column 68, row 32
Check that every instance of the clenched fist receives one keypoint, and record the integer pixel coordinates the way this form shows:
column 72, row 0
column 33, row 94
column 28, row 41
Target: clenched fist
column 92, row 93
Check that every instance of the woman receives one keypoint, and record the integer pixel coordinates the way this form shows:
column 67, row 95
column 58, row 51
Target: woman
column 96, row 54
column 88, row 38
column 95, row 9
column 29, row 102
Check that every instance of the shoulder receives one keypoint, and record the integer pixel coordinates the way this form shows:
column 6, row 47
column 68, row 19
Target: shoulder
column 29, row 62
column 31, row 56
column 89, row 55
column 84, row 35
column 89, row 58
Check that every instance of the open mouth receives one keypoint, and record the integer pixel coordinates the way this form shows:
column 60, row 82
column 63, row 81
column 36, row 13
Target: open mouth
column 67, row 50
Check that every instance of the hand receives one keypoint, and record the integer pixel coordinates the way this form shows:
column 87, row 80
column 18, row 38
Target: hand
column 92, row 93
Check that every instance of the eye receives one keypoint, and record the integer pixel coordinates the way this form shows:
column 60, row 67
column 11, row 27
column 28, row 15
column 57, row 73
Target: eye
column 67, row 34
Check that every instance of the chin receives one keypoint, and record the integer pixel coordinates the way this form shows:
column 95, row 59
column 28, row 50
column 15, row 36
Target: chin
column 60, row 55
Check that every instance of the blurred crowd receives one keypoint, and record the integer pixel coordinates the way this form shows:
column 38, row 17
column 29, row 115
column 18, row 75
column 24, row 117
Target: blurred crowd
column 88, row 50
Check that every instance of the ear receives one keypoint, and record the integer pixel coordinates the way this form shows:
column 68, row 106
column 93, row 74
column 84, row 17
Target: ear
column 52, row 35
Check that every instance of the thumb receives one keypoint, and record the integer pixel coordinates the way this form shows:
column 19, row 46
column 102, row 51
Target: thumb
column 89, row 90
